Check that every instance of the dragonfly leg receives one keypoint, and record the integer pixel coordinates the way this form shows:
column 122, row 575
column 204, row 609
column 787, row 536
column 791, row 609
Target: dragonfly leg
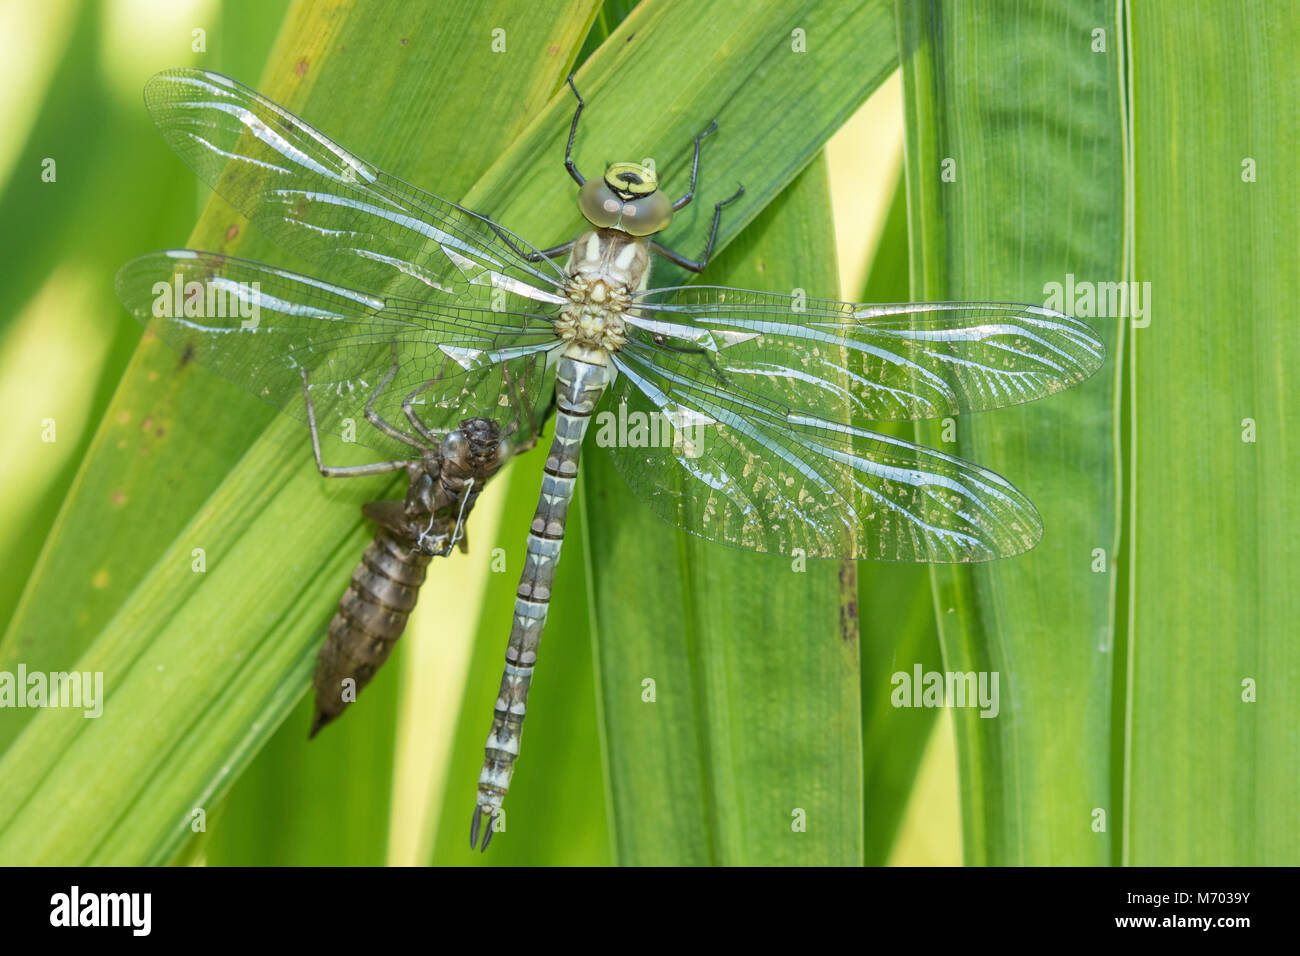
column 535, row 255
column 550, row 253
column 341, row 471
column 373, row 417
column 691, row 264
column 569, row 164
column 693, row 350
column 695, row 168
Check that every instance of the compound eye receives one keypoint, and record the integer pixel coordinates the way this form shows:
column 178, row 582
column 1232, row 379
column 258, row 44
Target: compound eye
column 647, row 214
column 598, row 204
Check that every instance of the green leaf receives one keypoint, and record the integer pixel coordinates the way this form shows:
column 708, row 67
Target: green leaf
column 749, row 750
column 898, row 629
column 1213, row 664
column 728, row 680
column 780, row 119
column 201, row 667
column 64, row 345
column 1027, row 121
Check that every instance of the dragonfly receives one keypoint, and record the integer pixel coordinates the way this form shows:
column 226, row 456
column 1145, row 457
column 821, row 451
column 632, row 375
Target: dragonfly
column 769, row 398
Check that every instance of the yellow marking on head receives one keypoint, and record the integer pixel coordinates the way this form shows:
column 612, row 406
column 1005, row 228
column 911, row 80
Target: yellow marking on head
column 630, row 180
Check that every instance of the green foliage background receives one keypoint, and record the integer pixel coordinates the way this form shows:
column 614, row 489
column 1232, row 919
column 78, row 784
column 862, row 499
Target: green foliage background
column 1146, row 653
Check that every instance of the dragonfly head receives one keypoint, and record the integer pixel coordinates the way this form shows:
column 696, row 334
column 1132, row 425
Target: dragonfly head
column 626, row 198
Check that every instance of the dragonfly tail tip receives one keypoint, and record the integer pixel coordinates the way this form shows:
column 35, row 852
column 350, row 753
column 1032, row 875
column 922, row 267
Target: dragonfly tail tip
column 474, row 828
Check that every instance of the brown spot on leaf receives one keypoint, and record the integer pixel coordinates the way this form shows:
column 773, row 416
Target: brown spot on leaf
column 554, row 49
column 123, row 417
column 848, row 601
column 300, row 68
column 146, row 425
column 231, row 231
column 187, row 354
column 405, row 41
column 118, row 497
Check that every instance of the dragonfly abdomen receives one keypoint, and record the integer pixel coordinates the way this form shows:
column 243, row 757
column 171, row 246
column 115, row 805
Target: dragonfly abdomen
column 581, row 378
column 371, row 616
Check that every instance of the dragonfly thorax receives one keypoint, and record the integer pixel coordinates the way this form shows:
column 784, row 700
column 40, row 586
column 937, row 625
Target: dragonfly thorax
column 606, row 269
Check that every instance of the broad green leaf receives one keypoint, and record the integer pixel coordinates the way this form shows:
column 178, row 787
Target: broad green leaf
column 762, row 138
column 729, row 681
column 109, row 195
column 897, row 619
column 1212, row 733
column 1015, row 178
column 195, row 685
column 358, row 793
column 555, row 813
column 204, row 666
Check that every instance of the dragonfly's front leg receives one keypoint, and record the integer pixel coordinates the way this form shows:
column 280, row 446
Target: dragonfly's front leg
column 678, row 259
column 695, row 168
column 569, row 164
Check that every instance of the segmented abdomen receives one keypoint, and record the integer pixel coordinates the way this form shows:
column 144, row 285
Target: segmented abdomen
column 579, row 385
column 371, row 617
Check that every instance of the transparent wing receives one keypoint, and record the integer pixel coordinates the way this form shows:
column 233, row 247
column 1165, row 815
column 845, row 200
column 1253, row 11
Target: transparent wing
column 745, row 471
column 874, row 362
column 264, row 328
column 367, row 228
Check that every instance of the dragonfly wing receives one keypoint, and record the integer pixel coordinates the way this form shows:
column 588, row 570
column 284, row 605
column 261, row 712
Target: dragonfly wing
column 368, row 228
column 750, row 473
column 452, row 360
column 879, row 362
